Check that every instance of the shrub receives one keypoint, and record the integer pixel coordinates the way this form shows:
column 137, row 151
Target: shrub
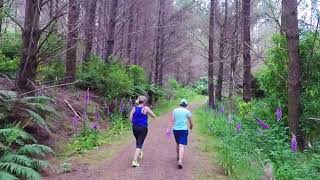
column 20, row 155
column 111, row 80
column 138, row 75
column 201, row 86
column 18, row 158
column 244, row 153
column 273, row 79
column 26, row 111
column 90, row 138
column 8, row 66
column 10, row 45
column 51, row 72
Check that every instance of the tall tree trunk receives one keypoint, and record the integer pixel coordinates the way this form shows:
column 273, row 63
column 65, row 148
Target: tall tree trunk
column 71, row 54
column 210, row 59
column 1, row 18
column 136, row 37
column 30, row 39
column 111, row 29
column 290, row 27
column 90, row 16
column 234, row 54
column 158, row 43
column 246, row 51
column 130, row 30
column 221, row 52
column 1, row 13
column 51, row 5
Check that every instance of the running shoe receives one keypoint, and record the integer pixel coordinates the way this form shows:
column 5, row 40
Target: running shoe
column 135, row 164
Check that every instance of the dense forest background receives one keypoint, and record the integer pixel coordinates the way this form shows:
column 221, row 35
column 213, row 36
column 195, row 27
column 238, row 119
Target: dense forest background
column 70, row 71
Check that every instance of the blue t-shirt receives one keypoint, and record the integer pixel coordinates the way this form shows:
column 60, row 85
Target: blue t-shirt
column 180, row 118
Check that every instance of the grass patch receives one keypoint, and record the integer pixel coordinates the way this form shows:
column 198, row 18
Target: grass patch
column 251, row 152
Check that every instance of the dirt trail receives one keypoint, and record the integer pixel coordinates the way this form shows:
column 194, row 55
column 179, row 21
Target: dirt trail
column 159, row 162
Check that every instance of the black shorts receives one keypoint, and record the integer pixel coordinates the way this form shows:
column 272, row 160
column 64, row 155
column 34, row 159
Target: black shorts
column 140, row 133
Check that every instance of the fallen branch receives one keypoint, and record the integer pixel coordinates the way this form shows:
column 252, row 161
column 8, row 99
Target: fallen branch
column 49, row 87
column 74, row 111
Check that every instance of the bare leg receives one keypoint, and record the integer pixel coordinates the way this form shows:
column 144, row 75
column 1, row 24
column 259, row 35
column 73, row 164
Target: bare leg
column 136, row 154
column 181, row 151
column 177, row 150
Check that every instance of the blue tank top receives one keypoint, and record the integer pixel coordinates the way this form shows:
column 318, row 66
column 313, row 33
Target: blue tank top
column 139, row 119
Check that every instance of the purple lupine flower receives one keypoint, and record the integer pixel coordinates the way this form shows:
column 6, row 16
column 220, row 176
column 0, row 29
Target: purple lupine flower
column 115, row 103
column 238, row 127
column 122, row 108
column 97, row 115
column 222, row 109
column 108, row 110
column 75, row 120
column 278, row 113
column 294, row 143
column 87, row 97
column 262, row 124
column 95, row 125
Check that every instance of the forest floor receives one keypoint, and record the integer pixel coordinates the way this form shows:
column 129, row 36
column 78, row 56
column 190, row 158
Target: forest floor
column 113, row 161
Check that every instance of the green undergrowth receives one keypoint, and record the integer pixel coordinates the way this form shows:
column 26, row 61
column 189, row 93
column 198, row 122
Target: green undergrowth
column 251, row 152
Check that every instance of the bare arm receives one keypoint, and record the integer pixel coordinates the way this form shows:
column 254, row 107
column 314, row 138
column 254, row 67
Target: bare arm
column 171, row 120
column 151, row 113
column 190, row 123
column 131, row 114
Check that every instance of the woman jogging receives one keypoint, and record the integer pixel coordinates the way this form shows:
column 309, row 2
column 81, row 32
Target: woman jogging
column 139, row 119
column 181, row 117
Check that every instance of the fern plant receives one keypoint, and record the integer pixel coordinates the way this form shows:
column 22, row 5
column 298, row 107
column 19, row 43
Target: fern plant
column 26, row 111
column 20, row 156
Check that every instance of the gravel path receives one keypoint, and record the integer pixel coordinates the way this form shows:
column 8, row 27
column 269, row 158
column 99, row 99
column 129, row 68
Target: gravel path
column 159, row 162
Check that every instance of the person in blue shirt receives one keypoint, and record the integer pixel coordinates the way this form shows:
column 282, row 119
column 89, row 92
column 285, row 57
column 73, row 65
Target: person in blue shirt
column 181, row 118
column 139, row 119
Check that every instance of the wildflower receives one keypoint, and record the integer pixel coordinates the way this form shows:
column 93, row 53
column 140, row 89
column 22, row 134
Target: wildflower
column 262, row 124
column 108, row 111
column 278, row 113
column 95, row 125
column 222, row 109
column 87, row 97
column 75, row 120
column 121, row 108
column 294, row 143
column 238, row 127
column 115, row 103
column 97, row 115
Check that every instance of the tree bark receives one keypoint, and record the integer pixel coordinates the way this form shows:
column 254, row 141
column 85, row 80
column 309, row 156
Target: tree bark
column 71, row 54
column 234, row 54
column 30, row 39
column 221, row 52
column 210, row 59
column 90, row 27
column 1, row 18
column 290, row 28
column 159, row 43
column 111, row 30
column 130, row 30
column 246, row 51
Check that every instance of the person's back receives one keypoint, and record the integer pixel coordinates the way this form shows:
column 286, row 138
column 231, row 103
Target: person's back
column 139, row 118
column 181, row 116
